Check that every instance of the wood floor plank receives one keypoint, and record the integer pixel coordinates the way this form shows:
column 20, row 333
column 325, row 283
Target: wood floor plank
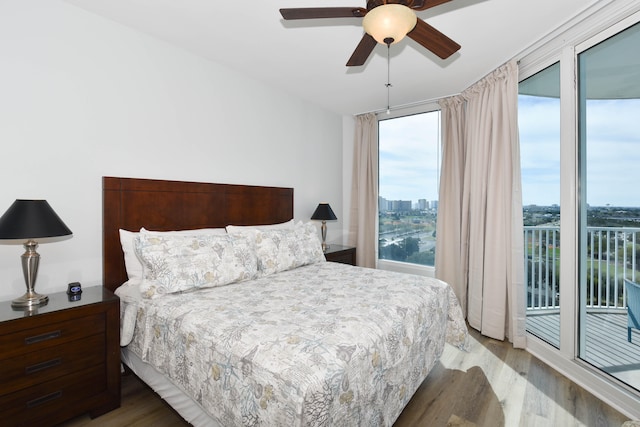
column 523, row 392
column 511, row 389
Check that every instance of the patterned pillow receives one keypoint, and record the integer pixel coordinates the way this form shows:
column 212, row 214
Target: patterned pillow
column 132, row 263
column 177, row 263
column 280, row 250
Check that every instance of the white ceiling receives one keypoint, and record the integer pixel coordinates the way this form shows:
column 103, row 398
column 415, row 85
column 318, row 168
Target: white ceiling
column 307, row 58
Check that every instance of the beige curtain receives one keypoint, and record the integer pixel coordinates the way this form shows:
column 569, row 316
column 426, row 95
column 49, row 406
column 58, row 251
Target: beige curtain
column 450, row 256
column 364, row 190
column 491, row 258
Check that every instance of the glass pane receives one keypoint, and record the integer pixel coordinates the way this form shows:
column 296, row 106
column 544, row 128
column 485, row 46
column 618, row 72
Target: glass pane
column 539, row 127
column 609, row 102
column 408, row 188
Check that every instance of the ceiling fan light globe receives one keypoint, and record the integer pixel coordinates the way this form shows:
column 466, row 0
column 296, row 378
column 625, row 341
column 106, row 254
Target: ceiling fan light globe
column 389, row 21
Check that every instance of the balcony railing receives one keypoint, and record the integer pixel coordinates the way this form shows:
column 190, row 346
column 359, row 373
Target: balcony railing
column 612, row 255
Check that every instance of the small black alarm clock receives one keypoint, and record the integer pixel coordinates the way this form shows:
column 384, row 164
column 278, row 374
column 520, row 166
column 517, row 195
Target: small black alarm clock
column 74, row 290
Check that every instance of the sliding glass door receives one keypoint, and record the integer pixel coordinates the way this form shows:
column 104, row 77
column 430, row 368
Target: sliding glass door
column 609, row 208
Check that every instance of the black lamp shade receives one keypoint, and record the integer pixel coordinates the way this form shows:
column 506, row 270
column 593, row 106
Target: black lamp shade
column 324, row 212
column 31, row 219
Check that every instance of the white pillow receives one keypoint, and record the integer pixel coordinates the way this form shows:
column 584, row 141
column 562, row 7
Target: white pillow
column 285, row 249
column 178, row 263
column 132, row 263
column 242, row 228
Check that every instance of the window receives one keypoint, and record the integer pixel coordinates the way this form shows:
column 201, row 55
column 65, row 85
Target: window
column 409, row 168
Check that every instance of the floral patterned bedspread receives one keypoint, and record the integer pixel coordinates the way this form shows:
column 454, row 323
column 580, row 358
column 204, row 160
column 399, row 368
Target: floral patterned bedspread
column 321, row 345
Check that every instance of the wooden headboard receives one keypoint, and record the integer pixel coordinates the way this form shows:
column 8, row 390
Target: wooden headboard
column 131, row 203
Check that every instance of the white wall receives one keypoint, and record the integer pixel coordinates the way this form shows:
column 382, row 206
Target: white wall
column 82, row 97
column 348, row 140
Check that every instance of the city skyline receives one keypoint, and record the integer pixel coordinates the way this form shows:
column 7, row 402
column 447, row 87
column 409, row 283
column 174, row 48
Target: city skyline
column 419, row 204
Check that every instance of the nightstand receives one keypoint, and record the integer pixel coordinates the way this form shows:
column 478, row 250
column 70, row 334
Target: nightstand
column 60, row 360
column 341, row 254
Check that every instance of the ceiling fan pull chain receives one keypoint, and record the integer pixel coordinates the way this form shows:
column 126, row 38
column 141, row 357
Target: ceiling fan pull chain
column 388, row 85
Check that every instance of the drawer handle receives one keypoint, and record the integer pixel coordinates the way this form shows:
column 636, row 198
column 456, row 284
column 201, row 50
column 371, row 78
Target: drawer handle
column 44, row 399
column 42, row 366
column 43, row 337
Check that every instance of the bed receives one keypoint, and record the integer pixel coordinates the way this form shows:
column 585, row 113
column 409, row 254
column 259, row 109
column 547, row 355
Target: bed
column 286, row 339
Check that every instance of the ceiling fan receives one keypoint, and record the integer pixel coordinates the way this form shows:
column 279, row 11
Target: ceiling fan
column 386, row 22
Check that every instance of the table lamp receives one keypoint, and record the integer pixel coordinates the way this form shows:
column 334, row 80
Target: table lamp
column 325, row 213
column 31, row 219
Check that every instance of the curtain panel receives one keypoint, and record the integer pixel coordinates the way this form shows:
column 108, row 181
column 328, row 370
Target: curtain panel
column 364, row 191
column 451, row 253
column 481, row 205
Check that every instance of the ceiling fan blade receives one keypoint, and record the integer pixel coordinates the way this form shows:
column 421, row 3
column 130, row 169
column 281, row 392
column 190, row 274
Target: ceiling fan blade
column 427, row 4
column 362, row 52
column 323, row 12
column 433, row 40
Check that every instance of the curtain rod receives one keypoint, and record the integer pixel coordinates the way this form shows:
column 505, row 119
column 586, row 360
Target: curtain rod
column 435, row 100
column 405, row 106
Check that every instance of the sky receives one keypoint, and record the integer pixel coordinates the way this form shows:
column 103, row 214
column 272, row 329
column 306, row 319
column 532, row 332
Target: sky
column 539, row 127
column 612, row 151
column 409, row 157
column 409, row 154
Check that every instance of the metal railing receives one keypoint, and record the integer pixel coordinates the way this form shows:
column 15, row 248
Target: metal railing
column 613, row 254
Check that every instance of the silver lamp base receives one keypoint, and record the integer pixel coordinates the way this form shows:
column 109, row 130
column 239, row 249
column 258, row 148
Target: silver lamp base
column 323, row 229
column 30, row 262
column 29, row 300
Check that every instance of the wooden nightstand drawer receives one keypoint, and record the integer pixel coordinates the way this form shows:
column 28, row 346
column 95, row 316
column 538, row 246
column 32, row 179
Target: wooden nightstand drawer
column 41, row 404
column 39, row 366
column 28, row 340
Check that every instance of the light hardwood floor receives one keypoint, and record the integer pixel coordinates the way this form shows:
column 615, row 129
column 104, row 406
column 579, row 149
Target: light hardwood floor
column 493, row 385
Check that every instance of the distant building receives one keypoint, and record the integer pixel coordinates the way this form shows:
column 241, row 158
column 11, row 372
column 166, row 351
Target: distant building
column 422, row 204
column 405, row 205
column 401, row 205
column 383, row 204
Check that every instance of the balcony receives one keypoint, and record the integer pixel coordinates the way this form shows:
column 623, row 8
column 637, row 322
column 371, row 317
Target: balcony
column 612, row 255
